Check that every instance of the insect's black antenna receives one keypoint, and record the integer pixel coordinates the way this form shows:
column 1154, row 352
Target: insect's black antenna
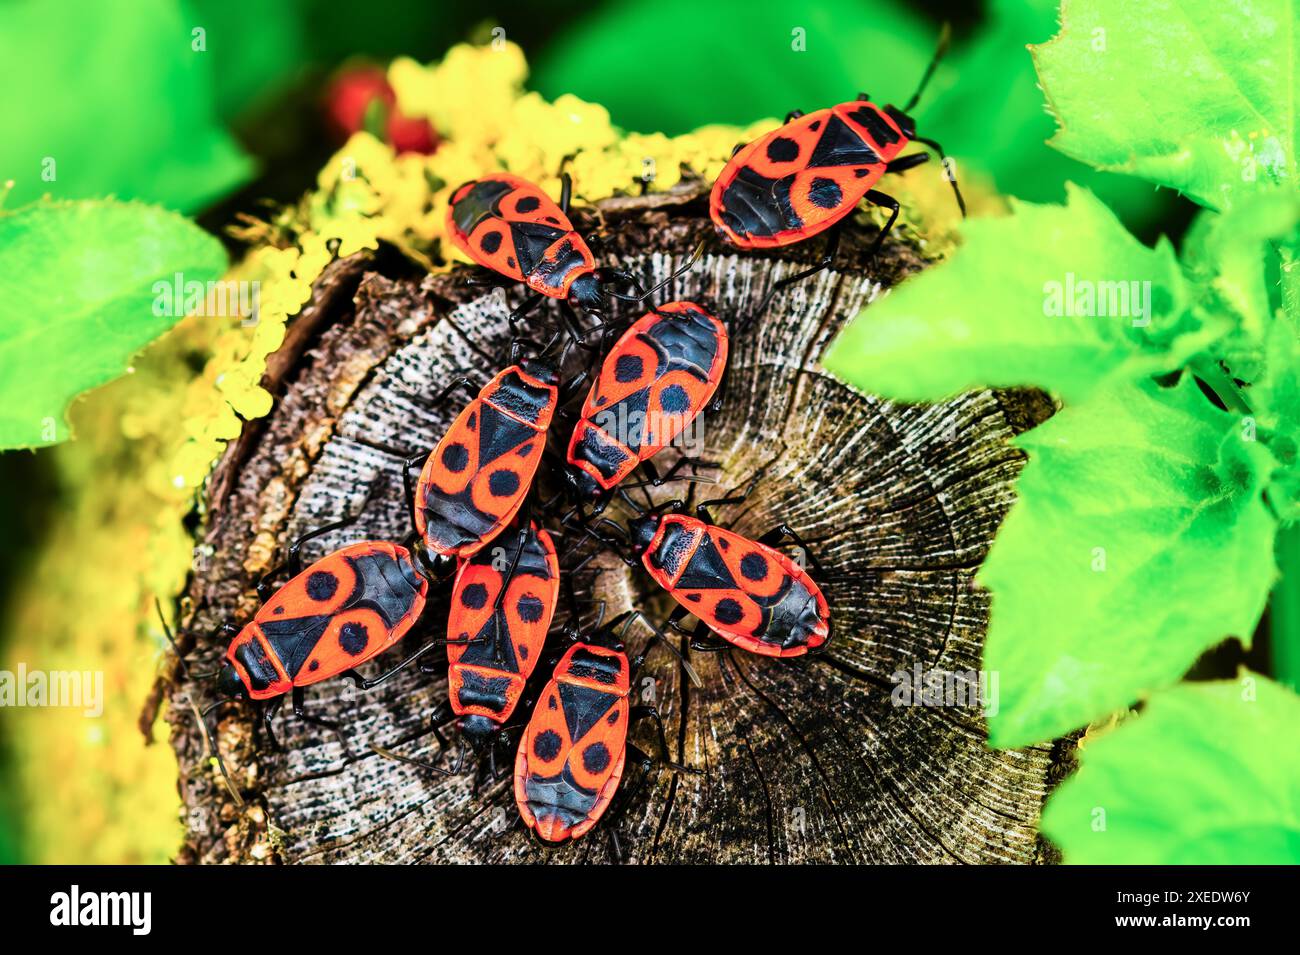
column 180, row 658
column 695, row 257
column 945, row 35
column 213, row 752
column 947, row 171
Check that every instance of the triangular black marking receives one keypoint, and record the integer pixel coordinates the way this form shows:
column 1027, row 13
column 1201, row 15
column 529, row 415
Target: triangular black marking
column 531, row 240
column 500, row 435
column 706, row 570
column 583, row 708
column 293, row 640
column 841, row 146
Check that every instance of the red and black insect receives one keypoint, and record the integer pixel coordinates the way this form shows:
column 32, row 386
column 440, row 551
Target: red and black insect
column 658, row 376
column 572, row 754
column 346, row 608
column 343, row 610
column 475, row 481
column 509, row 225
column 501, row 610
column 807, row 176
column 747, row 592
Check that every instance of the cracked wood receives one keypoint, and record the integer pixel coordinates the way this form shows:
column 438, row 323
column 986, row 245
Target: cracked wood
column 804, row 761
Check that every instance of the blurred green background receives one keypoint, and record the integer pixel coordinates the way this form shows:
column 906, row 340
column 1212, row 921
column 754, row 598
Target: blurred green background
column 214, row 107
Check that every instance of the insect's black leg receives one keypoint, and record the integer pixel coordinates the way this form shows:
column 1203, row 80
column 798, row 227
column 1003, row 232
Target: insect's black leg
column 782, row 533
column 268, row 716
column 793, row 115
column 702, row 509
column 947, row 169
column 490, row 280
column 674, row 621
column 864, row 98
column 459, row 382
column 890, row 203
column 522, row 311
column 566, row 192
column 703, row 641
column 299, row 701
column 294, row 563
column 635, row 664
column 361, row 683
column 573, row 387
column 904, row 163
column 654, row 479
column 639, row 713
column 440, row 715
column 828, row 256
column 408, row 486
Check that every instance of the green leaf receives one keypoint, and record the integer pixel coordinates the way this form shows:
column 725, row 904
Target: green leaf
column 77, row 300
column 120, row 104
column 986, row 108
column 1139, row 540
column 1198, row 95
column 1012, row 308
column 1236, row 260
column 1206, row 775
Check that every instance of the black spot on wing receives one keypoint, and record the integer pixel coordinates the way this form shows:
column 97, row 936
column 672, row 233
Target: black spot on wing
column 728, row 611
column 782, row 149
column 596, row 758
column 674, row 400
column 353, row 638
column 503, row 483
column 455, row 457
column 474, row 596
column 322, row 585
column 628, row 368
column 546, row 745
column 753, row 566
column 825, row 193
column 530, row 608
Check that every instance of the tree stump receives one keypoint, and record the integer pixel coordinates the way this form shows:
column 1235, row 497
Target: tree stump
column 803, row 761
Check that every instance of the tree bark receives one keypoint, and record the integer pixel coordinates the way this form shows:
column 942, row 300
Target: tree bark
column 803, row 761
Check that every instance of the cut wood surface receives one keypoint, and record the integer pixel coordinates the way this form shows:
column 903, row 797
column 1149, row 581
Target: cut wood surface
column 800, row 761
